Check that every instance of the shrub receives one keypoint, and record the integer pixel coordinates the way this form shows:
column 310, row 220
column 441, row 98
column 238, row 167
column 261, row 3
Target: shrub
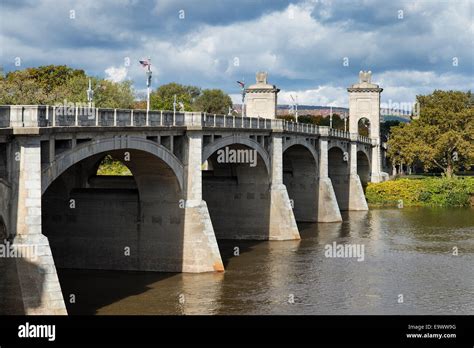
column 442, row 192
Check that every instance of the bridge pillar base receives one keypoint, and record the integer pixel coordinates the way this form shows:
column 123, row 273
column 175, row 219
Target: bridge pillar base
column 40, row 289
column 356, row 194
column 379, row 177
column 282, row 220
column 200, row 250
column 328, row 209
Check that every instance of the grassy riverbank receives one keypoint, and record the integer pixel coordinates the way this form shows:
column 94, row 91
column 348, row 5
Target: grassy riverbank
column 441, row 192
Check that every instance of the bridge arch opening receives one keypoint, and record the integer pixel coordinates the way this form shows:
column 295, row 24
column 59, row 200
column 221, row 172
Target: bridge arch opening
column 338, row 170
column 102, row 222
column 236, row 191
column 300, row 176
column 110, row 166
column 363, row 126
column 363, row 168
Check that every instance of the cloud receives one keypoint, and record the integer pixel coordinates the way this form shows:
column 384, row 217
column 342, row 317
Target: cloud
column 301, row 44
column 116, row 74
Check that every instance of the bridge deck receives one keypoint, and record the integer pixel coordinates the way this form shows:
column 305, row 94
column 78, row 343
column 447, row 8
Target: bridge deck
column 42, row 116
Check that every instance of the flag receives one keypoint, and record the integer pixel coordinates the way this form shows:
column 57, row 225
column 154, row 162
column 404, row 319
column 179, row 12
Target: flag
column 241, row 84
column 144, row 63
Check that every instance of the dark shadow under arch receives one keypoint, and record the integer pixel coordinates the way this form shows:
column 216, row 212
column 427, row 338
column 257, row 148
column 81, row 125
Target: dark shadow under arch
column 338, row 170
column 237, row 196
column 300, row 176
column 363, row 168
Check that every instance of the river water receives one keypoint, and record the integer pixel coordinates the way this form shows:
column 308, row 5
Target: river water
column 408, row 267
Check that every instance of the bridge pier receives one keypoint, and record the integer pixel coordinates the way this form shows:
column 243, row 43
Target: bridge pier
column 200, row 249
column 328, row 209
column 37, row 277
column 356, row 193
column 282, row 220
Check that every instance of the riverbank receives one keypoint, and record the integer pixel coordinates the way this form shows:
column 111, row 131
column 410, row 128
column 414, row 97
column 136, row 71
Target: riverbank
column 431, row 192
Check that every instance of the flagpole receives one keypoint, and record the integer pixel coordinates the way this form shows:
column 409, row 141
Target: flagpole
column 242, row 86
column 90, row 94
column 345, row 122
column 243, row 101
column 296, row 109
column 330, row 118
column 148, row 83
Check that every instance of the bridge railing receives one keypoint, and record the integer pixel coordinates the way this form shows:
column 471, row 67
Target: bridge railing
column 226, row 121
column 364, row 139
column 339, row 133
column 301, row 127
column 71, row 116
column 66, row 116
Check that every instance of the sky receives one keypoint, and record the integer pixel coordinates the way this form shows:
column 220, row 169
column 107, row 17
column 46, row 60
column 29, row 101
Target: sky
column 309, row 48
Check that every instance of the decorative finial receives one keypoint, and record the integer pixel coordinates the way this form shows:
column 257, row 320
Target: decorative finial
column 262, row 77
column 365, row 76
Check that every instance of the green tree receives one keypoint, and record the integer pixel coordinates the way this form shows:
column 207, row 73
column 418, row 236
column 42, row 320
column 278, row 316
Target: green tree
column 54, row 84
column 213, row 101
column 385, row 128
column 441, row 137
column 289, row 118
column 163, row 97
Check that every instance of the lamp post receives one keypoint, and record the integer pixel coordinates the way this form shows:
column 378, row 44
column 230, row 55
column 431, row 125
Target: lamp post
column 330, row 117
column 295, row 106
column 90, row 94
column 147, row 64
column 242, row 86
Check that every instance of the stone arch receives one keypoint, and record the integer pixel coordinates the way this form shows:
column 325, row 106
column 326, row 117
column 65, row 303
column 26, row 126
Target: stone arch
column 304, row 143
column 233, row 140
column 363, row 168
column 300, row 176
column 366, row 152
column 97, row 146
column 338, row 170
column 237, row 194
column 366, row 122
column 141, row 213
column 338, row 145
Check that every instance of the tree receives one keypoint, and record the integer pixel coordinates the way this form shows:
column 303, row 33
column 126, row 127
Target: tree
column 53, row 84
column 442, row 137
column 163, row 97
column 401, row 146
column 386, row 129
column 213, row 101
column 288, row 118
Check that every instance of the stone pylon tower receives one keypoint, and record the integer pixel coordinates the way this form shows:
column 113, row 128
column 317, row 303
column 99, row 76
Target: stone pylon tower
column 364, row 102
column 261, row 98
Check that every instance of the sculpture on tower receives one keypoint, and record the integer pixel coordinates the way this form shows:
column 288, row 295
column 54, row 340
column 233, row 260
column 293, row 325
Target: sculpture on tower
column 365, row 76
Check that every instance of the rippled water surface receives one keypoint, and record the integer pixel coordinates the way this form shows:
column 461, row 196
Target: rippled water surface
column 408, row 252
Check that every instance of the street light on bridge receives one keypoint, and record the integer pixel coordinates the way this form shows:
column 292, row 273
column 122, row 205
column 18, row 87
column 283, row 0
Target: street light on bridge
column 330, row 117
column 147, row 64
column 90, row 94
column 242, row 86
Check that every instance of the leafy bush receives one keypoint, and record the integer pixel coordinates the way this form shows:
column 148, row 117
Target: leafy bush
column 442, row 192
column 109, row 166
